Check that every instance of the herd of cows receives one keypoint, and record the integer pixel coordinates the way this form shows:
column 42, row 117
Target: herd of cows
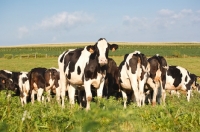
column 87, row 72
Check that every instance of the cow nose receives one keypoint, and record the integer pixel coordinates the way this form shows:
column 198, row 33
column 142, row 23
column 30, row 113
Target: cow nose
column 103, row 61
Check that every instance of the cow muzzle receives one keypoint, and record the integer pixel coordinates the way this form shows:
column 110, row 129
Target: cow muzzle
column 103, row 61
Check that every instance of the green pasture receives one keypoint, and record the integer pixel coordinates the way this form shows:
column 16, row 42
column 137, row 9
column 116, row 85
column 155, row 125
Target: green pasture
column 105, row 114
column 149, row 49
column 192, row 64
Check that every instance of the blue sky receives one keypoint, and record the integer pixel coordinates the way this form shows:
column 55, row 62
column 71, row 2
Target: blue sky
column 50, row 21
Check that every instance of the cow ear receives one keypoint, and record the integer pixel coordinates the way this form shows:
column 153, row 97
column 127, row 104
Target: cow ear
column 113, row 47
column 3, row 81
column 90, row 48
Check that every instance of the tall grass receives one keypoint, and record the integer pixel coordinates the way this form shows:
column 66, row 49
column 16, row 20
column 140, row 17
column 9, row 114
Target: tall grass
column 107, row 115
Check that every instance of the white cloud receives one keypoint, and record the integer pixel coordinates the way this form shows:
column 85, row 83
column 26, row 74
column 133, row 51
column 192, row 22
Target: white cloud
column 22, row 31
column 165, row 12
column 166, row 19
column 135, row 22
column 65, row 20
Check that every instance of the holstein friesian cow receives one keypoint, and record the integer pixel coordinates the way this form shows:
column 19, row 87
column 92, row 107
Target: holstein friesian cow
column 6, row 84
column 157, row 78
column 14, row 77
column 24, row 87
column 194, row 86
column 19, row 85
column 133, row 75
column 178, row 78
column 112, row 86
column 43, row 80
column 84, row 67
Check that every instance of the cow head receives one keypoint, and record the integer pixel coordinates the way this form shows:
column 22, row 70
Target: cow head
column 102, row 48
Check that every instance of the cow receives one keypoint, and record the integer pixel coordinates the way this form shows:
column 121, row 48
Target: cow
column 133, row 74
column 24, row 87
column 19, row 83
column 56, row 88
column 14, row 77
column 179, row 78
column 6, row 84
column 194, row 85
column 157, row 78
column 112, row 86
column 43, row 80
column 198, row 87
column 84, row 67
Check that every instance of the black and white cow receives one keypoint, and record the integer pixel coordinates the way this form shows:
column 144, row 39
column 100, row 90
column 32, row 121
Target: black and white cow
column 43, row 80
column 178, row 78
column 157, row 78
column 14, row 77
column 6, row 84
column 133, row 75
column 194, row 86
column 84, row 67
column 19, row 85
column 24, row 87
column 112, row 85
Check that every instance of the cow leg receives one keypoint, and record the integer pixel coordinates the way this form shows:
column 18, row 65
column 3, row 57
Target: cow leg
column 87, row 86
column 155, row 92
column 100, row 89
column 63, row 87
column 39, row 94
column 134, row 85
column 163, row 96
column 22, row 100
column 141, row 93
column 32, row 96
column 188, row 95
column 48, row 95
column 124, row 96
column 58, row 93
column 154, row 87
column 71, row 92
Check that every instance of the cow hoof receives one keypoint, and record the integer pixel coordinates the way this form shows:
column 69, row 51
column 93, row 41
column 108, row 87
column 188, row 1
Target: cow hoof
column 153, row 103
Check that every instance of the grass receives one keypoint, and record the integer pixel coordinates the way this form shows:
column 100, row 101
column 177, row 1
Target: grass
column 108, row 115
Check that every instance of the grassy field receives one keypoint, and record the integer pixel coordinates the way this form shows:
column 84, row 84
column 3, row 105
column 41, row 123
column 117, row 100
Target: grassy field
column 105, row 115
column 26, row 64
column 149, row 49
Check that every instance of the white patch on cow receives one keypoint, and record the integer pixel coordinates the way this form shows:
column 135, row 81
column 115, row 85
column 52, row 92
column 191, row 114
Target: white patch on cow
column 102, row 46
column 8, row 71
column 24, row 87
column 81, row 63
column 136, row 52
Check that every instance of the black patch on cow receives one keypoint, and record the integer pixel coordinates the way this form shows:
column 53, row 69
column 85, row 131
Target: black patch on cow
column 186, row 78
column 176, row 75
column 123, row 62
column 133, row 63
column 154, row 61
column 127, row 66
column 101, row 39
column 71, row 58
column 69, row 75
column 24, row 79
column 79, row 70
column 61, row 59
column 91, row 69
